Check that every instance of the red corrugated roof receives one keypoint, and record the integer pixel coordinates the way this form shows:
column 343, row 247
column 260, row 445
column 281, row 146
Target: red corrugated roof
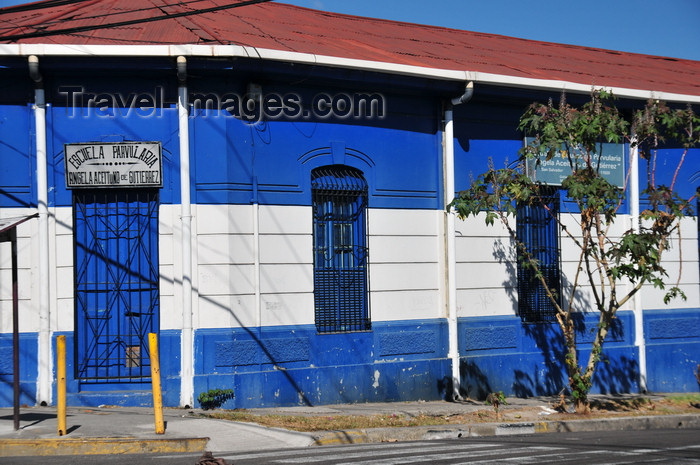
column 289, row 28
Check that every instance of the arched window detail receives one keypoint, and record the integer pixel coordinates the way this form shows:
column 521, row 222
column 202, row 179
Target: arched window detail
column 339, row 199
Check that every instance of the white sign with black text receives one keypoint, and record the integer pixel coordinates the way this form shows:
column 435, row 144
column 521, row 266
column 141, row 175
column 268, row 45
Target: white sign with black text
column 113, row 164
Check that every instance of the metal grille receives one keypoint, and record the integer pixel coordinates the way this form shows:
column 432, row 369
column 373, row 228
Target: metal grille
column 538, row 229
column 116, row 283
column 339, row 197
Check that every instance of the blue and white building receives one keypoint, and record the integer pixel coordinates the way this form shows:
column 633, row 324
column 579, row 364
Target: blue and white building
column 270, row 201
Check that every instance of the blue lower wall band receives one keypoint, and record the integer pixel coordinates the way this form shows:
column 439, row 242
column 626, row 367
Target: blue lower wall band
column 395, row 361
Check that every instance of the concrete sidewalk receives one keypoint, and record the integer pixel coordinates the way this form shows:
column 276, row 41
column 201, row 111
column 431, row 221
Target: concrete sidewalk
column 122, row 430
column 543, row 424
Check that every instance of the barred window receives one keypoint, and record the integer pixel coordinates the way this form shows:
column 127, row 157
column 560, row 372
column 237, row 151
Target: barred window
column 538, row 229
column 339, row 199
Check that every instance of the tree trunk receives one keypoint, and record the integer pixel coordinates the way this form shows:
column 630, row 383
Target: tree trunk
column 582, row 406
column 578, row 383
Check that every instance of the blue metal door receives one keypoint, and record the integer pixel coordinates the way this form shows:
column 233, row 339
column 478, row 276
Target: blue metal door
column 116, row 283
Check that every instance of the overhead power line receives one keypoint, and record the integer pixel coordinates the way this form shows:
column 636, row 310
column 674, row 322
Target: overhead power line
column 48, row 4
column 72, row 30
column 39, row 6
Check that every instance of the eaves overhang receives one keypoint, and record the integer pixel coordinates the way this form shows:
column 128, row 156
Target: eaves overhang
column 238, row 51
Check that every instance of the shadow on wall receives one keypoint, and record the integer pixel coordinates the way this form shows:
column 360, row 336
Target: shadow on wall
column 547, row 377
column 536, row 367
column 445, row 387
column 542, row 373
column 476, row 383
column 617, row 376
column 258, row 340
column 616, row 372
column 16, row 200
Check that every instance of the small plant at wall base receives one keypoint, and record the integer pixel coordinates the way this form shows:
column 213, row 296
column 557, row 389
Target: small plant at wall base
column 611, row 268
column 214, row 398
column 496, row 399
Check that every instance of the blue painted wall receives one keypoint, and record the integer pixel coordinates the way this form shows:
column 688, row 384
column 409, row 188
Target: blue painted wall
column 666, row 164
column 27, row 369
column 269, row 162
column 277, row 366
column 673, row 349
column 397, row 361
column 17, row 163
column 67, row 127
column 399, row 155
column 127, row 394
column 504, row 354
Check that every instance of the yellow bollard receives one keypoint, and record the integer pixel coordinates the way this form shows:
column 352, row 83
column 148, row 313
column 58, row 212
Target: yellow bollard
column 61, row 383
column 155, row 382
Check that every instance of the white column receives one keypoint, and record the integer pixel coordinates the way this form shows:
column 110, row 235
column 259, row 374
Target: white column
column 256, row 257
column 187, row 339
column 450, row 255
column 44, row 358
column 639, row 341
column 44, row 375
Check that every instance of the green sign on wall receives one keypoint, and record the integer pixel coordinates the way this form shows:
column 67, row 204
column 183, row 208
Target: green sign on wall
column 610, row 163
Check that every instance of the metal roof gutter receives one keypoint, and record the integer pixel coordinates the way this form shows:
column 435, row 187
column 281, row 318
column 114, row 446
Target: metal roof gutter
column 240, row 51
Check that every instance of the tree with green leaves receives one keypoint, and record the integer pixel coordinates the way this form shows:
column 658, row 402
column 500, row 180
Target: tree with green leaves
column 611, row 268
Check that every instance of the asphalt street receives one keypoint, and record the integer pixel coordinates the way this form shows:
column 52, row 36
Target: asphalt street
column 671, row 446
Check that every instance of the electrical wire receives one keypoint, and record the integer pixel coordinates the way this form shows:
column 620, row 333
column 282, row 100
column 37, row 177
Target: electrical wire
column 42, row 5
column 38, row 6
column 71, row 30
column 53, row 3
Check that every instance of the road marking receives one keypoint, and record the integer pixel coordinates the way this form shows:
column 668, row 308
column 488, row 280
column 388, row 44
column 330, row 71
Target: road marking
column 438, row 458
column 405, row 450
column 332, row 449
column 244, row 455
column 638, row 452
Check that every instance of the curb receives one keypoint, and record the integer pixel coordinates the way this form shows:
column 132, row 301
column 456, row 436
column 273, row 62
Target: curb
column 417, row 433
column 622, row 424
column 95, row 446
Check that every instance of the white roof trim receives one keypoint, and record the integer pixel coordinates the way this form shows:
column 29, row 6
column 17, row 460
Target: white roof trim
column 325, row 60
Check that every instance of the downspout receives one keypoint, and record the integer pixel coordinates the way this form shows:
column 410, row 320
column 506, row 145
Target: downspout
column 187, row 339
column 450, row 246
column 256, row 254
column 44, row 377
column 638, row 311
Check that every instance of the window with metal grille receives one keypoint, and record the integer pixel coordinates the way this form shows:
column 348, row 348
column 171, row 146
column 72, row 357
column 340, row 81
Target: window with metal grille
column 339, row 199
column 537, row 228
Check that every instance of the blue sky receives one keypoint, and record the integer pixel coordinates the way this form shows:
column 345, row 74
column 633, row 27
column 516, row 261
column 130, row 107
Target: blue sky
column 656, row 27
